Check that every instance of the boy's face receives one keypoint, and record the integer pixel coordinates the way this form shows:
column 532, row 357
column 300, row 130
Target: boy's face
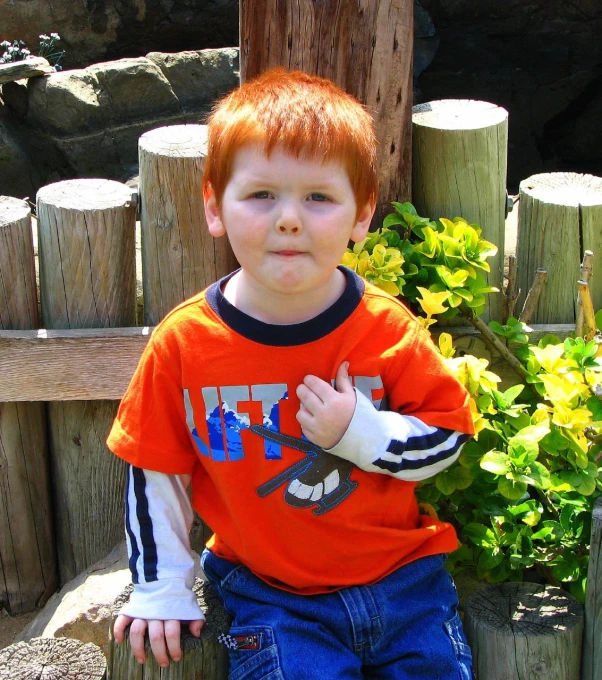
column 288, row 220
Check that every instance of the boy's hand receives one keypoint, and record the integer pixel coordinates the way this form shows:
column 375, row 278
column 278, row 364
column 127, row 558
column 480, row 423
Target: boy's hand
column 164, row 637
column 325, row 412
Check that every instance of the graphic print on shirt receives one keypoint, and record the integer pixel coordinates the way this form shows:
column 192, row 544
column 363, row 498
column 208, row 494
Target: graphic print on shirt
column 320, row 479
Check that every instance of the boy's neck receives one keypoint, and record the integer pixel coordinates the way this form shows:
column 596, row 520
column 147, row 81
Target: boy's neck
column 280, row 309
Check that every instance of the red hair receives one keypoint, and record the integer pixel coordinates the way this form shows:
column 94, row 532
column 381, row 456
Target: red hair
column 310, row 117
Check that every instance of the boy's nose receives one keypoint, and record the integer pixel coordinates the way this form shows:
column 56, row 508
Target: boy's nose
column 288, row 221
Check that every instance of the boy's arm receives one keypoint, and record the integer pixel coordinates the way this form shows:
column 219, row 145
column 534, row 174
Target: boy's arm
column 345, row 423
column 158, row 521
column 394, row 444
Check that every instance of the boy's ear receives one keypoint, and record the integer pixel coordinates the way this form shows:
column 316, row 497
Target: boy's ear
column 359, row 231
column 212, row 214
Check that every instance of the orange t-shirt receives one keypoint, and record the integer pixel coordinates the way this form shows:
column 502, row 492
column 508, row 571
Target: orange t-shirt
column 214, row 397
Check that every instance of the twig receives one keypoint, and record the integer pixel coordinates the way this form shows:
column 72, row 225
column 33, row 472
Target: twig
column 510, row 294
column 493, row 342
column 586, row 272
column 533, row 296
column 589, row 318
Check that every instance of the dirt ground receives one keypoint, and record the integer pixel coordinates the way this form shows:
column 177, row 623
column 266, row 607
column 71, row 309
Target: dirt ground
column 10, row 626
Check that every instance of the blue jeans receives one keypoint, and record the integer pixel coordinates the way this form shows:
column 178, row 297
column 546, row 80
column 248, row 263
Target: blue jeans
column 406, row 627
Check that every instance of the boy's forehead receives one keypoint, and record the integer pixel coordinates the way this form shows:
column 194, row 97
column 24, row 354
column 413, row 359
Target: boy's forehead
column 273, row 152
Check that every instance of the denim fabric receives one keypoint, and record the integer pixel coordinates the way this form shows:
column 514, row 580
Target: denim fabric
column 405, row 627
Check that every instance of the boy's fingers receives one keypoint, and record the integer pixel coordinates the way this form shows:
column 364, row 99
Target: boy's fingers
column 342, row 381
column 195, row 627
column 121, row 623
column 137, row 632
column 156, row 634
column 172, row 638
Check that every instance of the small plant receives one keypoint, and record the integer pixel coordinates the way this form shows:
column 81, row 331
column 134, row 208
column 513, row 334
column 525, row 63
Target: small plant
column 16, row 51
column 522, row 494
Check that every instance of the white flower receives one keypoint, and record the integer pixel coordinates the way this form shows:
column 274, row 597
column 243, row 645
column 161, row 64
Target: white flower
column 44, row 37
column 56, row 36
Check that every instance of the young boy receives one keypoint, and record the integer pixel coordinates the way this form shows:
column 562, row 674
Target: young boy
column 301, row 406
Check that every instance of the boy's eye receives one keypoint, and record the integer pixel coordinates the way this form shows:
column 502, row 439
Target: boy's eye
column 318, row 197
column 261, row 194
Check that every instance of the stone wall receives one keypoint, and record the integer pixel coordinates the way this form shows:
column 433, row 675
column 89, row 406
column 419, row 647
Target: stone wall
column 86, row 122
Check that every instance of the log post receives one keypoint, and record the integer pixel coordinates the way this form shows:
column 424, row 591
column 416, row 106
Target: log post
column 460, row 156
column 592, row 640
column 559, row 218
column 364, row 47
column 86, row 243
column 524, row 631
column 28, row 572
column 179, row 256
column 203, row 658
column 52, row 659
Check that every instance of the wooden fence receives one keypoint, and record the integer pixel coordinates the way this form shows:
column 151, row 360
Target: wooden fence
column 62, row 375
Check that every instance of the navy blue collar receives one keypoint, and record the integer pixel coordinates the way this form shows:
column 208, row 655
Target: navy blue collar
column 291, row 334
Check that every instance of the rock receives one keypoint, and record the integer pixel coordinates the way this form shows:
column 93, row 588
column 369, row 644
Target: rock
column 134, row 88
column 199, row 78
column 83, row 607
column 28, row 68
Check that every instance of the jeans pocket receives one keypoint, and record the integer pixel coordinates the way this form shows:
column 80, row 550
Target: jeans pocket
column 253, row 654
column 460, row 647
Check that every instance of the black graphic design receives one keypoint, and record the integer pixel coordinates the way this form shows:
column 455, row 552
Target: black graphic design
column 320, row 479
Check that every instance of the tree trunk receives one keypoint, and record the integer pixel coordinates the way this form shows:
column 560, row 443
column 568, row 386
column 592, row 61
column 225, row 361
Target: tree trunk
column 364, row 47
column 524, row 631
column 179, row 256
column 559, row 218
column 86, row 236
column 592, row 641
column 28, row 573
column 460, row 154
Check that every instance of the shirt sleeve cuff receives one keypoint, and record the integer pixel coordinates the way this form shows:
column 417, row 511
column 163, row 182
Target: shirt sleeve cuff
column 163, row 600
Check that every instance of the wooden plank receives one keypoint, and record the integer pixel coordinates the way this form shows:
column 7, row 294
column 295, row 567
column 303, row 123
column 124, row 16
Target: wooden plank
column 97, row 363
column 592, row 641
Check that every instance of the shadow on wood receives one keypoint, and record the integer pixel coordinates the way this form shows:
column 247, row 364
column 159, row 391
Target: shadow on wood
column 524, row 631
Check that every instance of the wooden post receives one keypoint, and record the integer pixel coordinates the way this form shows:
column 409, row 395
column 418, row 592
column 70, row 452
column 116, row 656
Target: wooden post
column 559, row 217
column 460, row 156
column 524, row 631
column 86, row 243
column 28, row 573
column 203, row 658
column 364, row 47
column 51, row 659
column 179, row 256
column 592, row 640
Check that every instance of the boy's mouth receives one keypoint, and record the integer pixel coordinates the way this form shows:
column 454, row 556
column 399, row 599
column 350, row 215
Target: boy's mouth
column 288, row 253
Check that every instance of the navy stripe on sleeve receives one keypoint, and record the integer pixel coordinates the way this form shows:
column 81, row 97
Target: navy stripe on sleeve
column 420, row 463
column 149, row 547
column 420, row 442
column 134, row 549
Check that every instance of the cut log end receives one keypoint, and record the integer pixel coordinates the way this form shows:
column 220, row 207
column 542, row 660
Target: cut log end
column 458, row 114
column 12, row 210
column 52, row 659
column 83, row 195
column 175, row 141
column 564, row 188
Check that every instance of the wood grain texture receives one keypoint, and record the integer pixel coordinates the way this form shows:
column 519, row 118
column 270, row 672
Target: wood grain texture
column 364, row 47
column 86, row 242
column 203, row 658
column 592, row 640
column 559, row 217
column 524, row 631
column 69, row 365
column 28, row 571
column 179, row 256
column 52, row 659
column 460, row 155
